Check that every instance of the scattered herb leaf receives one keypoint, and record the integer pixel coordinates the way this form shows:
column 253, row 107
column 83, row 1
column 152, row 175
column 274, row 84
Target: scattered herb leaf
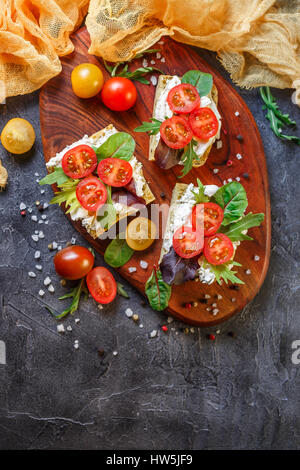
column 152, row 128
column 118, row 252
column 75, row 294
column 157, row 291
column 121, row 290
column 277, row 119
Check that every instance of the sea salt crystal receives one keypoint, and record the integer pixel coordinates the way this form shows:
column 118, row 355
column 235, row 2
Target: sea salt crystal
column 128, row 312
column 220, row 297
column 76, row 345
column 215, row 311
column 37, row 254
column 153, row 80
column 115, row 353
column 239, row 156
column 41, row 234
column 219, row 144
column 229, row 180
column 46, row 222
column 224, row 182
column 73, row 240
column 163, row 60
column 41, row 293
column 238, row 178
column 34, row 218
column 132, row 269
column 237, row 113
column 170, row 319
column 35, row 238
column 22, row 206
column 45, row 205
column 256, row 258
column 29, row 210
column 145, row 63
column 216, row 170
column 36, row 232
column 39, row 267
column 100, row 307
column 153, row 334
column 141, row 325
column 36, row 174
column 77, row 320
column 54, row 245
column 248, row 271
column 69, row 328
column 207, row 296
column 158, row 55
column 41, row 221
column 31, row 274
column 143, row 264
column 44, row 216
column 161, row 42
column 51, row 288
column 152, row 62
column 47, row 281
column 60, row 328
column 233, row 299
column 214, row 305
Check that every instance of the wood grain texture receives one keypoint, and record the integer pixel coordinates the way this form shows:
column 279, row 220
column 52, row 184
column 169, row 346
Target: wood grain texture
column 66, row 118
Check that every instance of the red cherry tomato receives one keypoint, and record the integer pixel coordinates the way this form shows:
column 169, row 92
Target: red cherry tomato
column 91, row 193
column 73, row 262
column 79, row 161
column 207, row 216
column 204, row 123
column 187, row 242
column 218, row 249
column 119, row 94
column 115, row 172
column 183, row 98
column 101, row 285
column 176, row 132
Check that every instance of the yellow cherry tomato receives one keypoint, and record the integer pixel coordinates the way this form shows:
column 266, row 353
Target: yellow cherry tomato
column 87, row 80
column 140, row 233
column 18, row 136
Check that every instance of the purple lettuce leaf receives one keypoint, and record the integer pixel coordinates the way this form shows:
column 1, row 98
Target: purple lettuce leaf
column 176, row 270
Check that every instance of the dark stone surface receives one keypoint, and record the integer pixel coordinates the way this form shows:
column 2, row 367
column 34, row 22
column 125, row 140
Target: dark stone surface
column 175, row 391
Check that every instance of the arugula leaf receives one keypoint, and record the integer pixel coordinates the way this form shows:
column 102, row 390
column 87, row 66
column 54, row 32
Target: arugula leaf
column 157, row 291
column 119, row 145
column 57, row 176
column 223, row 272
column 187, row 158
column 201, row 80
column 118, row 252
column 232, row 198
column 75, row 294
column 277, row 119
column 109, row 214
column 113, row 69
column 199, row 193
column 152, row 128
column 67, row 194
column 138, row 74
column 234, row 230
column 121, row 290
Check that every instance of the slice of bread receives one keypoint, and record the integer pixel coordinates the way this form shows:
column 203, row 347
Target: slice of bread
column 161, row 84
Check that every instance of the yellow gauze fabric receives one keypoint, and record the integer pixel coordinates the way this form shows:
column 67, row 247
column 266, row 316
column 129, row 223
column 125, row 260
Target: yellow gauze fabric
column 258, row 41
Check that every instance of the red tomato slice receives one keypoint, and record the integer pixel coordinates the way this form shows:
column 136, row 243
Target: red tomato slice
column 79, row 161
column 187, row 242
column 183, row 98
column 91, row 193
column 204, row 123
column 207, row 216
column 115, row 172
column 101, row 285
column 176, row 132
column 218, row 249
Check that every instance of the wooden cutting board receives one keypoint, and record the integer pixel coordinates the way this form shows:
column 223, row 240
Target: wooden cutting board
column 66, row 118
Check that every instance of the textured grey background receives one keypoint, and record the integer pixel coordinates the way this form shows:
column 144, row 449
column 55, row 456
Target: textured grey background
column 175, row 391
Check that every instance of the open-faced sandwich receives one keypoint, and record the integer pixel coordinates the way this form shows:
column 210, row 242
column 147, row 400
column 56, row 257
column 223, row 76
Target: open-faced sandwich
column 99, row 180
column 186, row 121
column 205, row 225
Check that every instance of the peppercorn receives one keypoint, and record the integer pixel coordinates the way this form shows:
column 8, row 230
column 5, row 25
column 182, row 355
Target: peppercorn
column 101, row 352
column 186, row 331
column 234, row 287
column 37, row 203
column 246, row 175
column 162, row 195
column 229, row 163
column 135, row 317
column 63, row 282
column 40, row 208
column 188, row 305
column 240, row 138
column 203, row 301
column 164, row 328
column 23, row 213
column 231, row 333
column 212, row 337
column 195, row 304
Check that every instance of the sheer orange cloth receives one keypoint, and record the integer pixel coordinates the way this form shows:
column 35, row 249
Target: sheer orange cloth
column 257, row 41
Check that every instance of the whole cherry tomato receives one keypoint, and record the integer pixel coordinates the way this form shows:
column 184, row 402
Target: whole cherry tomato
column 73, row 262
column 119, row 94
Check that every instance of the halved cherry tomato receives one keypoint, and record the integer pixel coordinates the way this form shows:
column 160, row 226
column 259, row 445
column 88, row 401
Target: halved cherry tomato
column 101, row 285
column 183, row 98
column 176, row 132
column 79, row 161
column 204, row 123
column 115, row 172
column 91, row 193
column 207, row 216
column 119, row 94
column 187, row 242
column 218, row 249
column 73, row 262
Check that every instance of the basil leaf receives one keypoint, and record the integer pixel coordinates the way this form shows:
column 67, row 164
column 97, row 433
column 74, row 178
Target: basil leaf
column 118, row 252
column 201, row 80
column 157, row 291
column 57, row 176
column 234, row 231
column 121, row 290
column 120, row 145
column 232, row 198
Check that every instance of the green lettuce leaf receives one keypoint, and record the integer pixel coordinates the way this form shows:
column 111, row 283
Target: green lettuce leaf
column 119, row 145
column 55, row 177
column 157, row 291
